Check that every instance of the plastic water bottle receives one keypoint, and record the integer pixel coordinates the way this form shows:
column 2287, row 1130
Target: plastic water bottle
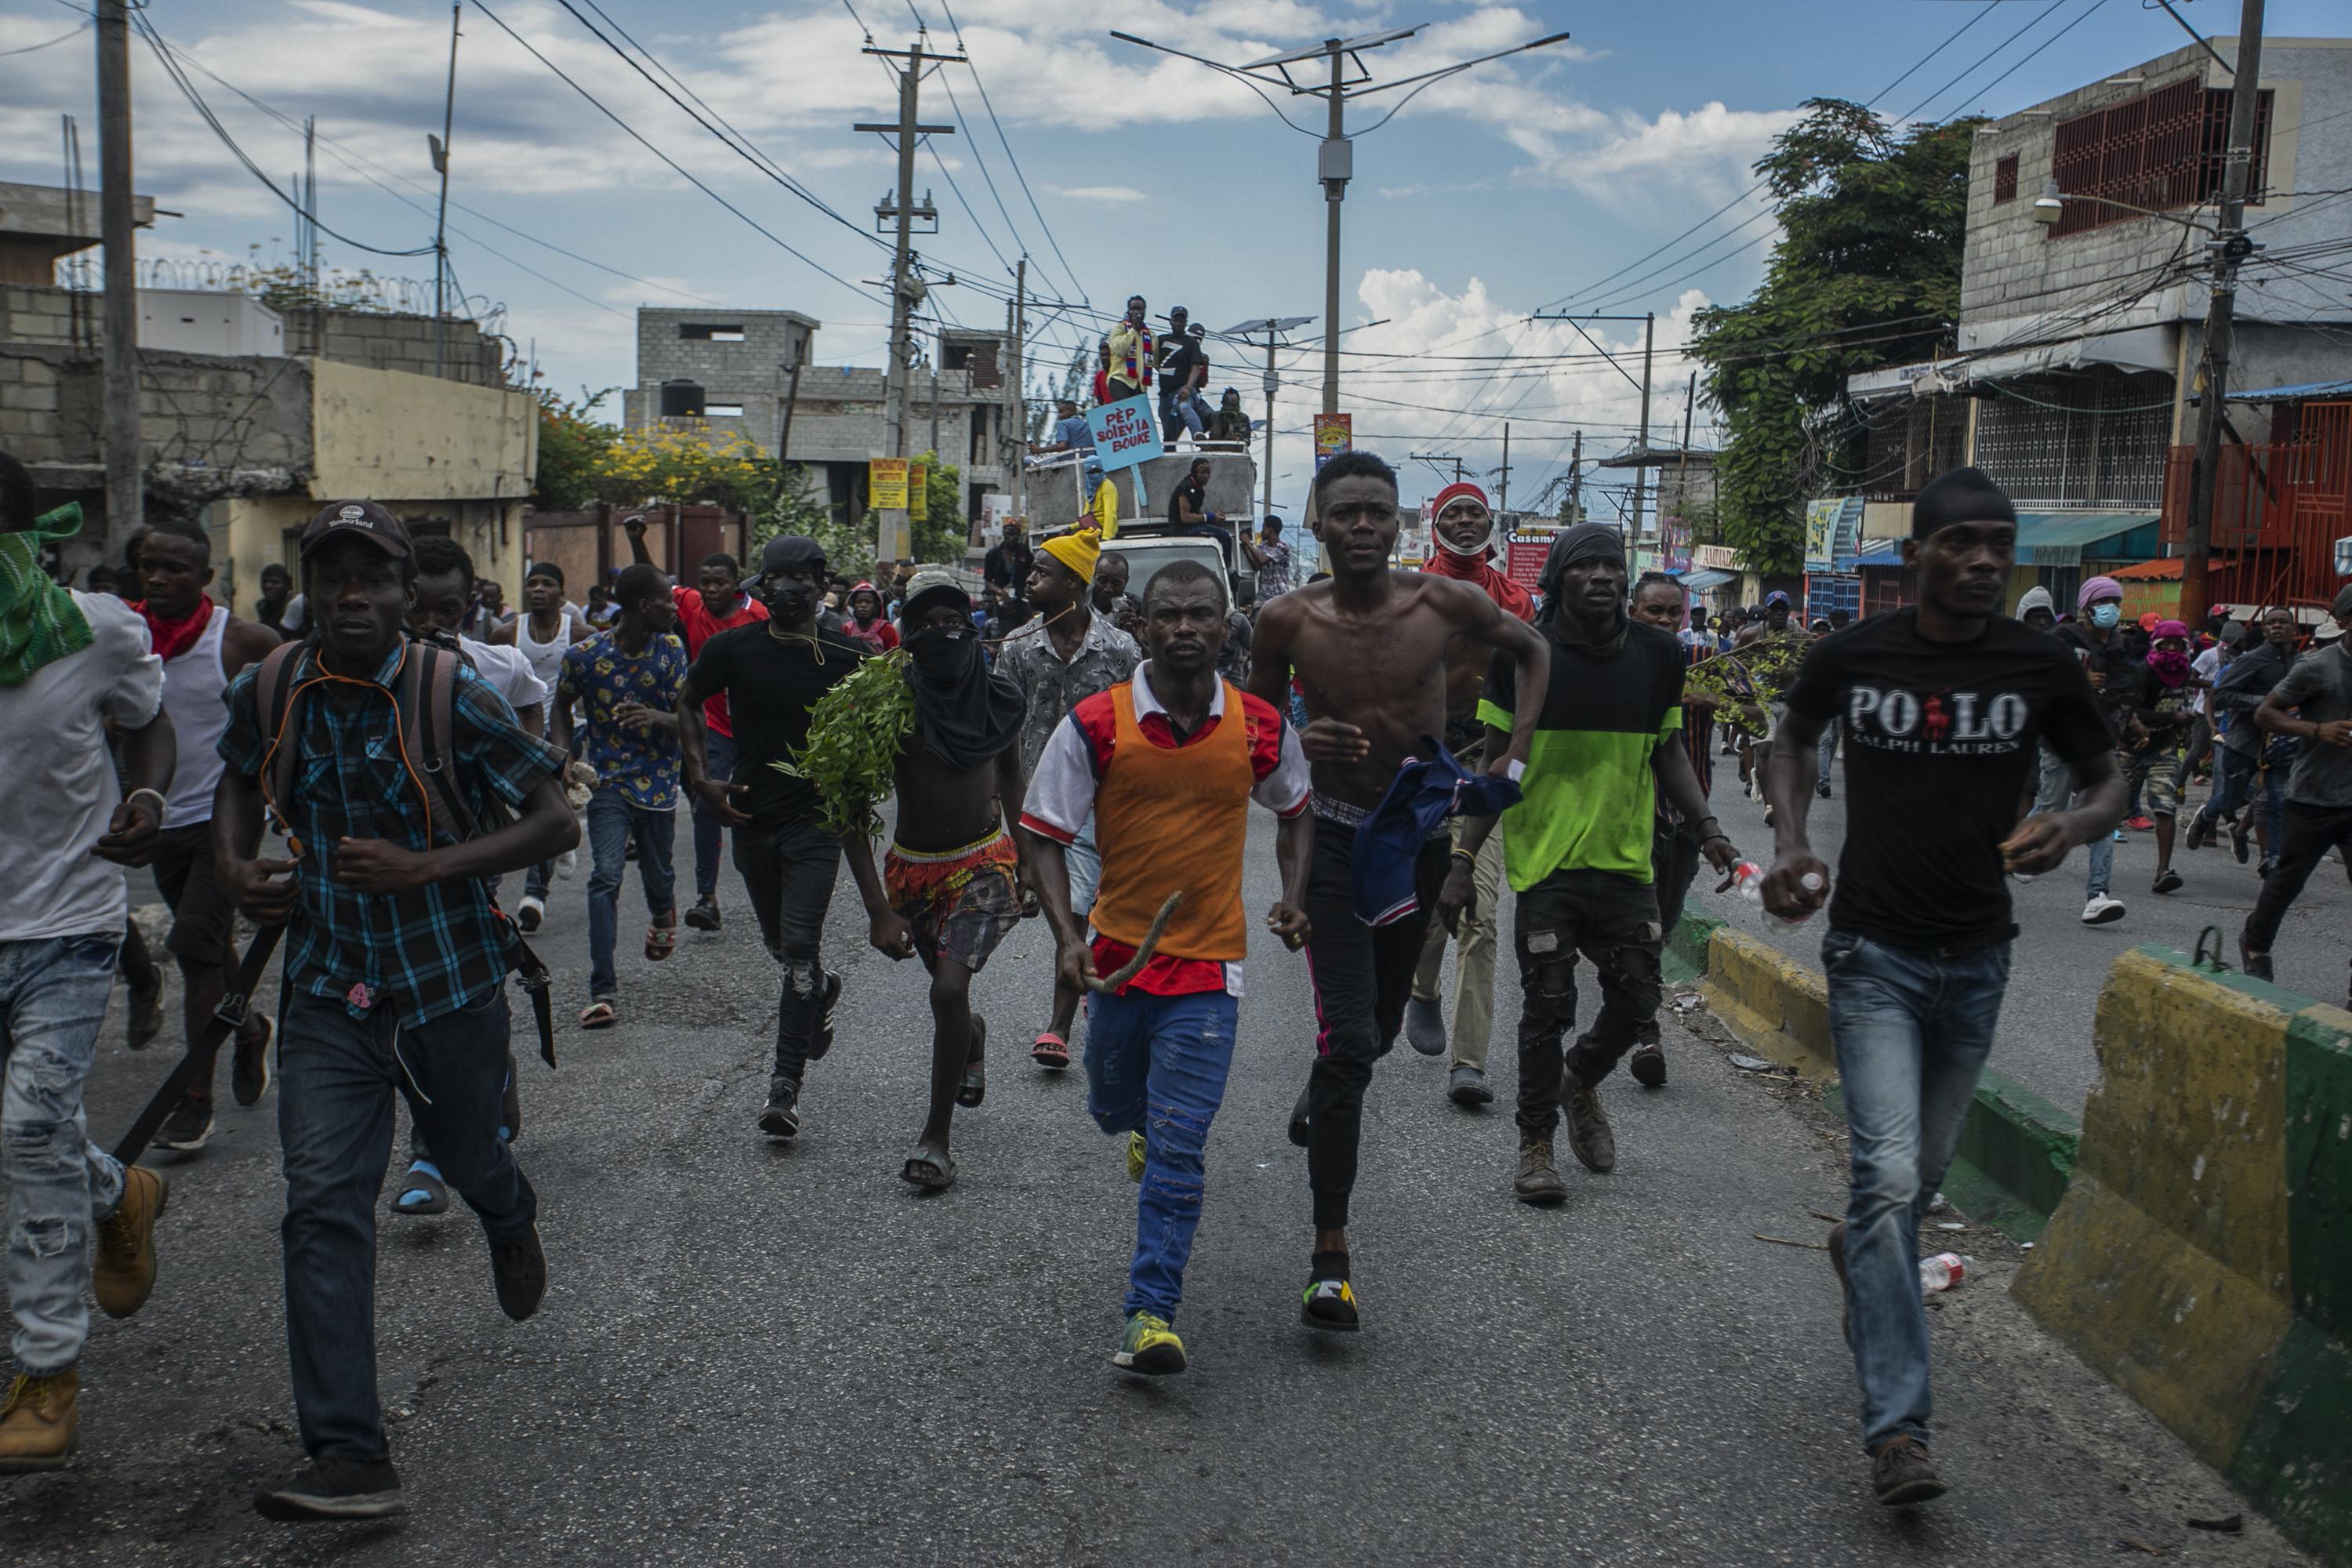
column 1750, row 879
column 1943, row 1271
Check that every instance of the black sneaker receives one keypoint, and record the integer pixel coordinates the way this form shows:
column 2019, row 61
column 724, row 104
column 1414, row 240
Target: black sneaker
column 781, row 1116
column 704, row 916
column 826, row 1001
column 2169, row 882
column 248, row 1074
column 1822, row 788
column 1648, row 1064
column 2200, row 831
column 335, row 1489
column 1902, row 1474
column 184, row 1130
column 521, row 1270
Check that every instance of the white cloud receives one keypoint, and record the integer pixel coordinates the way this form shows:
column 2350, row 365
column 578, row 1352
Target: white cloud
column 1099, row 193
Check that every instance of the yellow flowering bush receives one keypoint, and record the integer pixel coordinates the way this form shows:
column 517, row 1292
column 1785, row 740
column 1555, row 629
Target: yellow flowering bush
column 685, row 465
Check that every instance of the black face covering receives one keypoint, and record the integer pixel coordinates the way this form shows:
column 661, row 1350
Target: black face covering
column 966, row 715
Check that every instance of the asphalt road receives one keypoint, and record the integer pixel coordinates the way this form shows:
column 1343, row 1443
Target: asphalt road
column 753, row 1353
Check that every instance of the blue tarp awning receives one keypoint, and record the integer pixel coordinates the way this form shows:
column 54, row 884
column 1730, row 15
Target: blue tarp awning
column 1705, row 582
column 2296, row 394
column 1879, row 558
column 2064, row 538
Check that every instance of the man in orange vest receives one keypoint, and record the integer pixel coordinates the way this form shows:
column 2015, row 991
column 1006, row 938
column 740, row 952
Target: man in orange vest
column 1167, row 765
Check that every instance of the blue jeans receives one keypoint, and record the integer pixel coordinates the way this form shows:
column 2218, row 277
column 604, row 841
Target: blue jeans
column 611, row 820
column 337, row 1075
column 720, row 752
column 1912, row 1031
column 1179, row 407
column 53, row 996
column 1157, row 1065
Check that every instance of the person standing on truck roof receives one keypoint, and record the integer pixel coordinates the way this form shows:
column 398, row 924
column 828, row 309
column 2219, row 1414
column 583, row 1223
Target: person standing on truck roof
column 1132, row 348
column 1181, row 364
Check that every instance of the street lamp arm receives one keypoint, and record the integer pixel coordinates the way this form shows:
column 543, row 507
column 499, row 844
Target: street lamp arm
column 1458, row 66
column 1245, row 78
column 2052, row 205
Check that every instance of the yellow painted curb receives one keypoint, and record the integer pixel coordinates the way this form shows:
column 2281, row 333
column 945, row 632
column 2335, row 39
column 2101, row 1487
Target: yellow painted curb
column 1779, row 1006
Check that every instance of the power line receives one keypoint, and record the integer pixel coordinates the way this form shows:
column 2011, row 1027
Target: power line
column 1068, row 271
column 678, row 168
column 196, row 100
column 35, row 48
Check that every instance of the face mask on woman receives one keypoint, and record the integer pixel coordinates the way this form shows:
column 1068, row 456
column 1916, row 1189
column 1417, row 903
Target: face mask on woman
column 2104, row 616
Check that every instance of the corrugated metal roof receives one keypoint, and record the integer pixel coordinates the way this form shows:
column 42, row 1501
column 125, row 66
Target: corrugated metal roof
column 2061, row 538
column 2296, row 394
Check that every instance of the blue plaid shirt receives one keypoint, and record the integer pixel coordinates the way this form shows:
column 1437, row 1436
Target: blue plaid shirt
column 428, row 952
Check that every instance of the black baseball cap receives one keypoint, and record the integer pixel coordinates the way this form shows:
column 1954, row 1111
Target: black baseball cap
column 361, row 519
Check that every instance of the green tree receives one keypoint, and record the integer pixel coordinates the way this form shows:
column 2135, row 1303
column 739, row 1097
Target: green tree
column 942, row 536
column 1867, row 273
column 572, row 449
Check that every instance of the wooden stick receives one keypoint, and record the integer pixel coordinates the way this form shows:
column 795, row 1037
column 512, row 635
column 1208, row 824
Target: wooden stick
column 1126, row 972
column 1784, row 1241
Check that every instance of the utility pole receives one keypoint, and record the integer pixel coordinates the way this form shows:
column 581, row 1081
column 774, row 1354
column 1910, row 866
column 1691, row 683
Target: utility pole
column 1435, row 457
column 125, row 498
column 441, row 217
column 785, row 427
column 1503, row 494
column 906, row 289
column 1576, row 480
column 1334, row 159
column 1018, row 381
column 1642, row 441
column 2228, row 247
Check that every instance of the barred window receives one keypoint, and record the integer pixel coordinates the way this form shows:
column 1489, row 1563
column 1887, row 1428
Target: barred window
column 2161, row 150
column 2094, row 440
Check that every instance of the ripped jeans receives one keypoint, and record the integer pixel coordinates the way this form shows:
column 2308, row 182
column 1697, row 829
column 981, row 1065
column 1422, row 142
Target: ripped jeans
column 1157, row 1065
column 790, row 872
column 1612, row 920
column 53, row 994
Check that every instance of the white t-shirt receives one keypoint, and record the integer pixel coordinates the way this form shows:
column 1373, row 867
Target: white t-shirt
column 59, row 791
column 296, row 616
column 2208, row 667
column 507, row 671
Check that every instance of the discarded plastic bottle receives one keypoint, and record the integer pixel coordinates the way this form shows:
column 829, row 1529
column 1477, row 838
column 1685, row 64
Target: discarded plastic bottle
column 1749, row 878
column 1943, row 1271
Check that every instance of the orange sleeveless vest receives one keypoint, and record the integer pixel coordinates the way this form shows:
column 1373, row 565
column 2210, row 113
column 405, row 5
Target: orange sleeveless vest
column 1166, row 820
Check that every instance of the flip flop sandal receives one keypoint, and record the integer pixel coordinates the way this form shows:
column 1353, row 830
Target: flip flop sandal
column 422, row 1190
column 974, row 1087
column 1051, row 1052
column 662, row 941
column 933, row 1171
column 599, row 1015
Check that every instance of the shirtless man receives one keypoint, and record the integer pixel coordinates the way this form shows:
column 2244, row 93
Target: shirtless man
column 950, row 890
column 541, row 634
column 1368, row 648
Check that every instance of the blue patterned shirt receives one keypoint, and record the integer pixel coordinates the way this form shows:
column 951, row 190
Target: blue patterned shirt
column 430, row 952
column 642, row 763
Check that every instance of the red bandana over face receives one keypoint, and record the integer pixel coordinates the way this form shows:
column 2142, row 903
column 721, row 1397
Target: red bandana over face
column 172, row 638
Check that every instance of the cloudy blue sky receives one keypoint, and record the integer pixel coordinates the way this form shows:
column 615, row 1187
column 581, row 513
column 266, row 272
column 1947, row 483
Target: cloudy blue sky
column 1519, row 185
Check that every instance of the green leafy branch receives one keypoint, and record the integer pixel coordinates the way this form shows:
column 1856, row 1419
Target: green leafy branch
column 855, row 729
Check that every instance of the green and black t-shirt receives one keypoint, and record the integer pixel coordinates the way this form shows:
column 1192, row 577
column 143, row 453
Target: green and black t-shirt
column 1588, row 803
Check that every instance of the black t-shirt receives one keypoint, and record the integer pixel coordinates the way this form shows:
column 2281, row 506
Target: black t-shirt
column 771, row 684
column 1195, row 498
column 1940, row 746
column 1177, row 365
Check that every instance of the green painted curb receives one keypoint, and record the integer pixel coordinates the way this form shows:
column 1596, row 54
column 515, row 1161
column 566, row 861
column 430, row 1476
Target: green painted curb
column 2292, row 1461
column 1684, row 958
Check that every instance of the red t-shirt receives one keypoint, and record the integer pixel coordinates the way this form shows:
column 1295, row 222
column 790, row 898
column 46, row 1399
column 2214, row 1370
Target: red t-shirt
column 695, row 619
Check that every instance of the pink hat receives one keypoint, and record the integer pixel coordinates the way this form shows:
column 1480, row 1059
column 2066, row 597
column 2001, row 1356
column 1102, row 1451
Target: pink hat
column 2170, row 629
column 2098, row 588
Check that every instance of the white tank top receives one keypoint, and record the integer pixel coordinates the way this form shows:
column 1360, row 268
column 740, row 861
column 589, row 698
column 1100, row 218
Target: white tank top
column 546, row 657
column 193, row 688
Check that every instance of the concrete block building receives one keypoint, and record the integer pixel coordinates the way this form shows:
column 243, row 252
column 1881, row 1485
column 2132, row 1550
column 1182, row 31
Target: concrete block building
column 731, row 370
column 2074, row 381
column 330, row 403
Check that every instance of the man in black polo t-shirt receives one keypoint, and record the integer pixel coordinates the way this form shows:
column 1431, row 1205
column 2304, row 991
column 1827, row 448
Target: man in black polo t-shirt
column 1943, row 709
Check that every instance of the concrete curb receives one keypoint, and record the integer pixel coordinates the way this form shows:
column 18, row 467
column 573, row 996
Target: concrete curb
column 2017, row 1151
column 2203, row 1257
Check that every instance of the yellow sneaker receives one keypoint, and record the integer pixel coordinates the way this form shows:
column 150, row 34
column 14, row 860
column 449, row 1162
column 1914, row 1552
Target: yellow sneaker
column 1135, row 1151
column 41, row 1420
column 1150, row 1347
column 124, row 1272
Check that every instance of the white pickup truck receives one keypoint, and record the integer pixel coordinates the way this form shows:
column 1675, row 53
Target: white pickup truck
column 1149, row 541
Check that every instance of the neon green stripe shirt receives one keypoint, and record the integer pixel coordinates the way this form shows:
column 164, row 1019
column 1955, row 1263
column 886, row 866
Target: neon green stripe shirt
column 1589, row 792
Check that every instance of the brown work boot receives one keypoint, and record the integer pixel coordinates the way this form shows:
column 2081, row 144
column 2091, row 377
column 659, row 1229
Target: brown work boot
column 124, row 1273
column 1901, row 1473
column 40, row 1421
column 1589, row 1133
column 1539, row 1179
